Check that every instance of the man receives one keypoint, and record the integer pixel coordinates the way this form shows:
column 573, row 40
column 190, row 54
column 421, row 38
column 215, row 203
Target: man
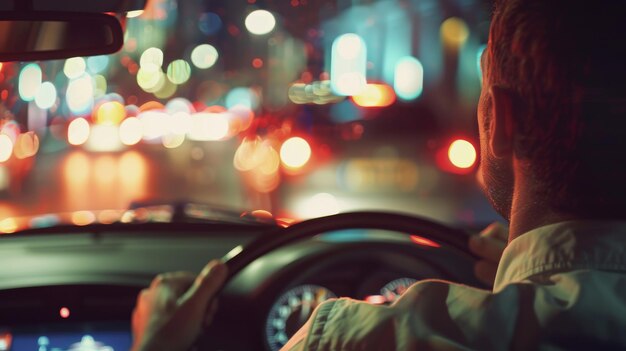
column 552, row 122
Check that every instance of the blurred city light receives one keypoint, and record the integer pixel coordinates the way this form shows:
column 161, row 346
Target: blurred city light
column 80, row 94
column 110, row 113
column 97, row 64
column 295, row 152
column 409, row 78
column 462, row 153
column 348, row 65
column 8, row 225
column 204, row 56
column 133, row 14
column 375, row 95
column 178, row 71
column 319, row 205
column 172, row 141
column 242, row 97
column 209, row 23
column 208, row 126
column 131, row 131
column 260, row 22
column 29, row 81
column 454, row 32
column 151, row 57
column 78, row 131
column 6, row 147
column 83, row 218
column 104, row 138
column 26, row 145
column 74, row 67
column 100, row 85
column 46, row 96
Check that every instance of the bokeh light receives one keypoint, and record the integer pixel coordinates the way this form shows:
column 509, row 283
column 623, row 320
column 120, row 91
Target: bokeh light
column 79, row 95
column 454, row 32
column 242, row 97
column 110, row 113
column 104, row 138
column 295, row 152
column 209, row 23
column 150, row 78
column 151, row 57
column 78, row 131
column 462, row 153
column 81, row 218
column 74, row 67
column 260, row 22
column 375, row 95
column 319, row 205
column 348, row 65
column 208, row 126
column 6, row 147
column 408, row 78
column 204, row 56
column 97, row 64
column 46, row 96
column 26, row 145
column 29, row 81
column 8, row 225
column 178, row 71
column 131, row 131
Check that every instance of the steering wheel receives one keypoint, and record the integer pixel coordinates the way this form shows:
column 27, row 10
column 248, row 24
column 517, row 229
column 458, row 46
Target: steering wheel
column 447, row 237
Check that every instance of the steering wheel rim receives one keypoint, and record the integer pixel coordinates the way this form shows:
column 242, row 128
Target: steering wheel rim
column 242, row 256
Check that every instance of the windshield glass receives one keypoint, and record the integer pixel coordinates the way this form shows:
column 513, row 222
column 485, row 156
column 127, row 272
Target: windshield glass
column 301, row 108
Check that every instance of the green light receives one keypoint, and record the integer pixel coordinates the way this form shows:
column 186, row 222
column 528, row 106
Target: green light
column 178, row 72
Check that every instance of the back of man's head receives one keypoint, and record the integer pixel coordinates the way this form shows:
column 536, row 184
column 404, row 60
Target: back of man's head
column 565, row 61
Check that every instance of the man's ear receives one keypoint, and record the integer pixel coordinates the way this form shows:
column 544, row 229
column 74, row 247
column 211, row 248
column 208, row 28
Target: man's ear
column 501, row 123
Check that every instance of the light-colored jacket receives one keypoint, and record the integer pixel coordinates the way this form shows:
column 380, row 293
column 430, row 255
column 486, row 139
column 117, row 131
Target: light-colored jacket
column 558, row 287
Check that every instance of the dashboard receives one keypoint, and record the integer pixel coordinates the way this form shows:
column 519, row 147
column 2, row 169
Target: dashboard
column 77, row 291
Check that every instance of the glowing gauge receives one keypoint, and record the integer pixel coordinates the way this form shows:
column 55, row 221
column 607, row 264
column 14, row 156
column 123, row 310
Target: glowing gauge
column 394, row 289
column 290, row 311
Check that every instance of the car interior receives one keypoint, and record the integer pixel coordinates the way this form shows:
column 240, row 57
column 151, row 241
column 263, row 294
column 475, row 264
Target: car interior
column 320, row 148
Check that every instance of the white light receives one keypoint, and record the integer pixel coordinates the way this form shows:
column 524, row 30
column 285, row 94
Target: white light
column 46, row 96
column 79, row 94
column 155, row 124
column 320, row 205
column 6, row 147
column 349, row 46
column 295, row 152
column 408, row 79
column 131, row 131
column 208, row 126
column 152, row 56
column 352, row 83
column 260, row 22
column 204, row 56
column 78, row 131
column 133, row 14
column 104, row 138
column 29, row 81
column 74, row 67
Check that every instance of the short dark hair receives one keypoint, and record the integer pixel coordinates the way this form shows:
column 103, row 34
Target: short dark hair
column 565, row 61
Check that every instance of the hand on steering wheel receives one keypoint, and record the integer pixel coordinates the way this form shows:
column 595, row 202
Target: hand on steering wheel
column 170, row 313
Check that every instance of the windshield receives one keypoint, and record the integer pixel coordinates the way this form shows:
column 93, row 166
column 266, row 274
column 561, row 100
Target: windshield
column 301, row 108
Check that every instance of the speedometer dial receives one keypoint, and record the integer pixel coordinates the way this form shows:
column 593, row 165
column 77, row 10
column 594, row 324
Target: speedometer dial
column 394, row 289
column 291, row 310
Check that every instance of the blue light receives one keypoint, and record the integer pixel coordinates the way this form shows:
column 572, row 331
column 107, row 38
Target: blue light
column 97, row 64
column 243, row 97
column 209, row 23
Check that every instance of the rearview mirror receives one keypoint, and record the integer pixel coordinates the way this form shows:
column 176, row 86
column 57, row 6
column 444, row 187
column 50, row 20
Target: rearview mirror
column 33, row 36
